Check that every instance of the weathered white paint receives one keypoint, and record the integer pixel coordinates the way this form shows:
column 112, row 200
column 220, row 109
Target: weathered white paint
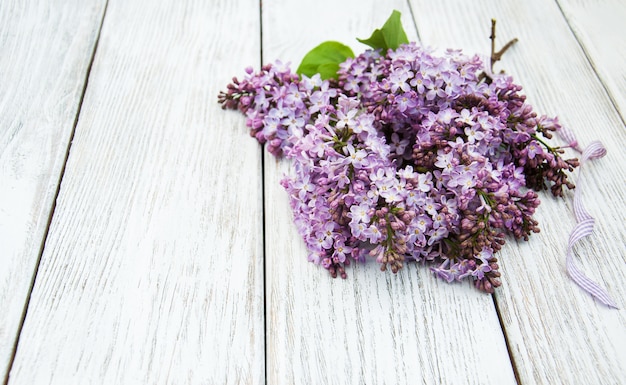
column 45, row 50
column 557, row 333
column 599, row 27
column 373, row 327
column 152, row 271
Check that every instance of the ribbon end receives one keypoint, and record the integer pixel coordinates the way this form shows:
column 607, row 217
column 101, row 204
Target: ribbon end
column 612, row 304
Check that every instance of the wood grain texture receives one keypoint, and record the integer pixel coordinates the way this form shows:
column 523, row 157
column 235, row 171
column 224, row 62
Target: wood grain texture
column 46, row 49
column 152, row 271
column 599, row 28
column 373, row 327
column 557, row 333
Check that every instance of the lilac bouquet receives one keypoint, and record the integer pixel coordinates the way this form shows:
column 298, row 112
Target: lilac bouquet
column 401, row 155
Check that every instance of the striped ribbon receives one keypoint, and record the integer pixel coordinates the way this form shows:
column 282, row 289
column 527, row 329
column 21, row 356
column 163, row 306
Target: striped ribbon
column 584, row 221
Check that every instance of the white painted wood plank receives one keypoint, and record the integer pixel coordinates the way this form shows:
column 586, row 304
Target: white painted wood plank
column 599, row 27
column 557, row 333
column 152, row 272
column 373, row 327
column 46, row 48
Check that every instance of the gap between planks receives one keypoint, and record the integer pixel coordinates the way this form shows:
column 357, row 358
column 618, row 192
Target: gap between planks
column 263, row 218
column 56, row 195
column 505, row 334
column 592, row 64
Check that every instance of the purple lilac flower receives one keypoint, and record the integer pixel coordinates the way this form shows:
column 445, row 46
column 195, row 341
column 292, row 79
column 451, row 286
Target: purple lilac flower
column 407, row 156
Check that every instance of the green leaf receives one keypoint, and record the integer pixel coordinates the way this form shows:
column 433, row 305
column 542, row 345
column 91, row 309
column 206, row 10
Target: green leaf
column 328, row 70
column 391, row 35
column 325, row 59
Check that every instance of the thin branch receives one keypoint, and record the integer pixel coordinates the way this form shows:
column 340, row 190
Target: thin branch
column 495, row 56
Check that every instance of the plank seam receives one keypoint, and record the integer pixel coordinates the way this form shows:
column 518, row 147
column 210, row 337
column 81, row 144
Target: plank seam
column 591, row 63
column 263, row 218
column 54, row 202
column 417, row 31
column 506, row 340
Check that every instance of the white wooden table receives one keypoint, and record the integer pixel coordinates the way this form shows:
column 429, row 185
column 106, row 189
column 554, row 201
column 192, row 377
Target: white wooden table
column 145, row 239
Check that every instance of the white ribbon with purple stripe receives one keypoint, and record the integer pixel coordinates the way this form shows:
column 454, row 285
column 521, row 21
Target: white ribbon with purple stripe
column 584, row 221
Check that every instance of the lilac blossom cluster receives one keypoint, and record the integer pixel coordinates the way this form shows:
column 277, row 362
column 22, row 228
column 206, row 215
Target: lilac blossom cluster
column 407, row 156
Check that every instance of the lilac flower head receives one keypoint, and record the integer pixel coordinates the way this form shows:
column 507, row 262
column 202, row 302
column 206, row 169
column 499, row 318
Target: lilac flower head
column 407, row 156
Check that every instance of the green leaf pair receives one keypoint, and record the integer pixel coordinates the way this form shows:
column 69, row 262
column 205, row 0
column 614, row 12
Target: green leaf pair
column 326, row 57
